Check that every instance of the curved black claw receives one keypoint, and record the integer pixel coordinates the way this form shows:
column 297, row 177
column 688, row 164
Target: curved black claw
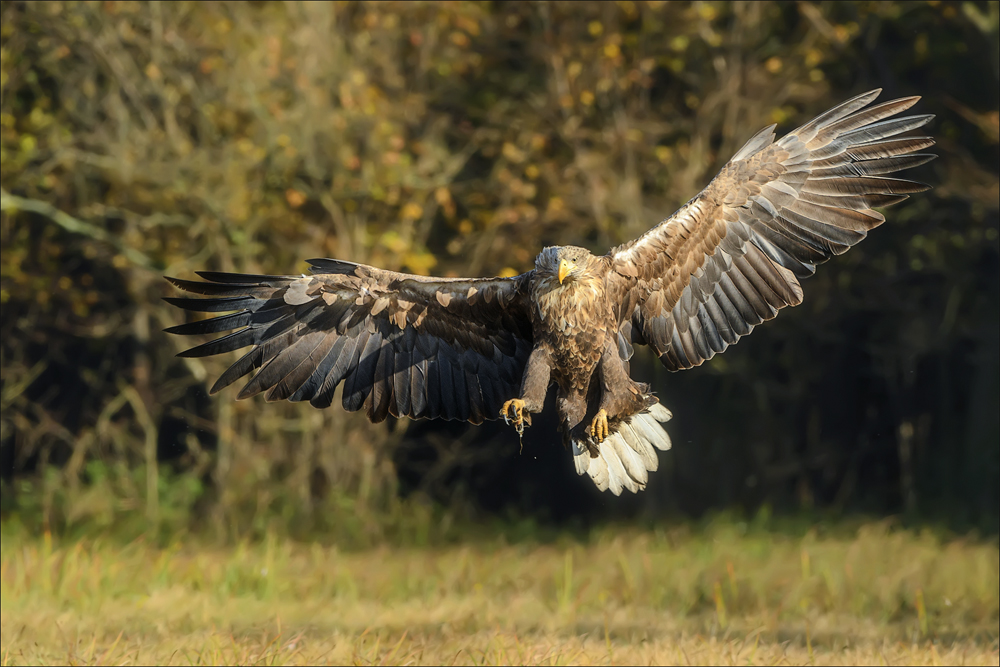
column 513, row 411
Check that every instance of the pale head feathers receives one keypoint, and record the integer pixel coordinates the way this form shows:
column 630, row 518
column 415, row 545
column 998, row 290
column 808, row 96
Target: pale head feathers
column 578, row 264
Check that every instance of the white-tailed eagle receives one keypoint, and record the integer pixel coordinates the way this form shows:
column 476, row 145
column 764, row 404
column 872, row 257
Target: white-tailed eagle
column 483, row 348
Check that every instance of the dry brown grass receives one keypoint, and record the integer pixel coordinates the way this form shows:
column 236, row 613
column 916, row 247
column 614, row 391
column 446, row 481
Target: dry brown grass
column 717, row 595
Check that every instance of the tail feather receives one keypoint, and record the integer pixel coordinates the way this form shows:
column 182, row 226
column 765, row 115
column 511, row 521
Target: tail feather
column 627, row 456
column 641, row 445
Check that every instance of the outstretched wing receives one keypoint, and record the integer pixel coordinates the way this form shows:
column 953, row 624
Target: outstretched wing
column 733, row 256
column 402, row 344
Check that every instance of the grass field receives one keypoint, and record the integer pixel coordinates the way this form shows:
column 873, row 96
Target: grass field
column 714, row 593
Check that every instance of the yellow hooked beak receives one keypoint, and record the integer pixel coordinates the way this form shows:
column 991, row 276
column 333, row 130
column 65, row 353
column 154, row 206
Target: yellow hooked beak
column 565, row 266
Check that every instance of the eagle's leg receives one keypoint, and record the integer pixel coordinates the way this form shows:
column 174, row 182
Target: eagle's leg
column 599, row 427
column 620, row 394
column 534, row 384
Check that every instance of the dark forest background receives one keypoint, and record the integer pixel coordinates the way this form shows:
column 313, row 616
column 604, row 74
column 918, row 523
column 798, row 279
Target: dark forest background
column 144, row 139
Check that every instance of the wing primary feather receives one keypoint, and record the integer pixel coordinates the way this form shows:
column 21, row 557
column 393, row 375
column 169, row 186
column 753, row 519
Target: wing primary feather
column 246, row 279
column 332, row 266
column 887, row 128
column 807, row 131
column 245, row 364
column 758, row 141
column 220, row 305
column 875, row 166
column 840, row 153
column 862, row 185
column 864, row 118
column 227, row 343
column 850, row 202
column 846, row 219
column 224, row 289
column 213, row 325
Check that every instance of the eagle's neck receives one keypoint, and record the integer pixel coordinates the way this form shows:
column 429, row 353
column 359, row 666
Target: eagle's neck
column 572, row 306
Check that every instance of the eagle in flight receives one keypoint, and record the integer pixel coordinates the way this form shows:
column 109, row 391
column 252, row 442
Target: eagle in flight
column 484, row 348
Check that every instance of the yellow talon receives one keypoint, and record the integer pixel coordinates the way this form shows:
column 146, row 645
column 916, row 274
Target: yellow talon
column 513, row 411
column 599, row 427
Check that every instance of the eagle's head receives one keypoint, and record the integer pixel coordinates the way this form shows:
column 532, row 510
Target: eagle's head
column 567, row 265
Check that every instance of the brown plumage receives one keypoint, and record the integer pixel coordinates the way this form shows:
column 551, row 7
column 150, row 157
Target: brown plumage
column 475, row 349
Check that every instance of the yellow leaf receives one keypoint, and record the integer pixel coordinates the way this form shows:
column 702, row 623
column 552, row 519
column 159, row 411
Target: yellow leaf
column 512, row 152
column 412, row 211
column 420, row 263
column 678, row 43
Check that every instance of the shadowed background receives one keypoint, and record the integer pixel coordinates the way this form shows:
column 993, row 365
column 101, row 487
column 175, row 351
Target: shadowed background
column 457, row 139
